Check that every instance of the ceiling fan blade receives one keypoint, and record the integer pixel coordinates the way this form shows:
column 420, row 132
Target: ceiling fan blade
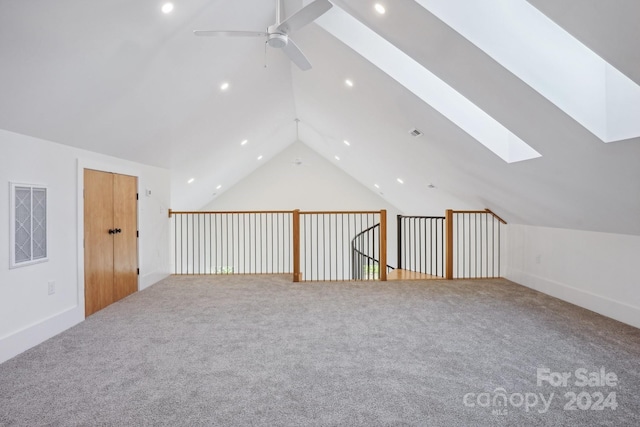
column 304, row 16
column 296, row 56
column 209, row 33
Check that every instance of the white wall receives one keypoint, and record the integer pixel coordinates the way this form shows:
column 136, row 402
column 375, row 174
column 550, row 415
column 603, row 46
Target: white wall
column 597, row 271
column 28, row 315
column 315, row 184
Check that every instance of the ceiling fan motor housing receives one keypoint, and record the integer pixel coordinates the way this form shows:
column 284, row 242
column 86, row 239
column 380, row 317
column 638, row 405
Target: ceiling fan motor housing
column 275, row 39
column 278, row 33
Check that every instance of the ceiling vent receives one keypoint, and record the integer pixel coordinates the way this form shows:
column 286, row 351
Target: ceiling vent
column 415, row 133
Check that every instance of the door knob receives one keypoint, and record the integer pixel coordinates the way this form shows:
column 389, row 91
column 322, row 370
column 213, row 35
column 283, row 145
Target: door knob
column 112, row 231
column 118, row 230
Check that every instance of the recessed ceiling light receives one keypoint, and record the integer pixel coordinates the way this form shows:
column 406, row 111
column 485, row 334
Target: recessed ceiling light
column 167, row 8
column 428, row 87
column 244, row 142
column 224, row 86
column 376, row 185
column 347, row 143
column 260, row 157
column 348, row 83
column 219, row 187
column 380, row 8
column 337, row 158
column 191, row 180
column 400, row 180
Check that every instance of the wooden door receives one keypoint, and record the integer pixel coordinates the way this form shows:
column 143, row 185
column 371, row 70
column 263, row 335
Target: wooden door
column 110, row 238
column 125, row 241
column 98, row 243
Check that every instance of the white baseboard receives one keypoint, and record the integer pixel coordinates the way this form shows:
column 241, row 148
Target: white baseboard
column 30, row 336
column 607, row 307
column 20, row 341
column 151, row 279
column 24, row 339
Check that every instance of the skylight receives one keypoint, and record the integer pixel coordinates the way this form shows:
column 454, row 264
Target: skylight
column 426, row 86
column 550, row 60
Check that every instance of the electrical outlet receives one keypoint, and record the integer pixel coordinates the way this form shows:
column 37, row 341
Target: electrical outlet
column 51, row 287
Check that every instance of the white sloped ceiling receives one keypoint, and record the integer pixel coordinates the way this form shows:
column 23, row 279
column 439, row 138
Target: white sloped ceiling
column 124, row 79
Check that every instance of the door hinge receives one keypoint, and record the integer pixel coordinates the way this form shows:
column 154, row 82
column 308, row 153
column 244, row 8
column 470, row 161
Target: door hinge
column 137, row 196
column 137, row 233
column 138, row 271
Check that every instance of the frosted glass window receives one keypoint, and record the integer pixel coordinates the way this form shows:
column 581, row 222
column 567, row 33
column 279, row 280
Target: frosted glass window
column 28, row 224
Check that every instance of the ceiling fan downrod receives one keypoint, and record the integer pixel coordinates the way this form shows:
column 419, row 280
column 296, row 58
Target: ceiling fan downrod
column 275, row 38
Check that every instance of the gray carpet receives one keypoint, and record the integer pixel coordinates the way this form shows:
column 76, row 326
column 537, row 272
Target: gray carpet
column 260, row 350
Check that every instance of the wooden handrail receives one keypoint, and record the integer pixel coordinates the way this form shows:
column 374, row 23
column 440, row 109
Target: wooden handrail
column 337, row 212
column 486, row 211
column 172, row 212
column 496, row 216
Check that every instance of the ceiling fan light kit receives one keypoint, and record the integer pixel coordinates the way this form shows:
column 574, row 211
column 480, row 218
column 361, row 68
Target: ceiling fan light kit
column 276, row 40
column 278, row 33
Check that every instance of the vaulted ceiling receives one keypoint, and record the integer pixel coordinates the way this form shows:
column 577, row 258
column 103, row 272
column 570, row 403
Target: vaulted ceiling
column 124, row 79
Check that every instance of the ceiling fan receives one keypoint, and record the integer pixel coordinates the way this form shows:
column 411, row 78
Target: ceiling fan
column 278, row 34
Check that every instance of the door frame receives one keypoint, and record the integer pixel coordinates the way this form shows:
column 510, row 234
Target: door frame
column 108, row 166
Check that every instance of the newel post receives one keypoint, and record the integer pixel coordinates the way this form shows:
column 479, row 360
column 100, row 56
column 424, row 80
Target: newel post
column 399, row 238
column 296, row 245
column 383, row 246
column 448, row 219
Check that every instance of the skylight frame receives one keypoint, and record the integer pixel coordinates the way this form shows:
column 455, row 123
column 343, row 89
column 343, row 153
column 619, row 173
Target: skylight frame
column 426, row 85
column 550, row 60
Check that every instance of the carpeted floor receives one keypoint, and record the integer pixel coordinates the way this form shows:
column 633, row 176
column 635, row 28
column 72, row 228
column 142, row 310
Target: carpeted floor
column 262, row 351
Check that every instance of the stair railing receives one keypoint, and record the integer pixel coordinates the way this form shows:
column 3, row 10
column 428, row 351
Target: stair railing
column 323, row 242
column 234, row 242
column 313, row 245
column 365, row 259
column 474, row 241
column 421, row 244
